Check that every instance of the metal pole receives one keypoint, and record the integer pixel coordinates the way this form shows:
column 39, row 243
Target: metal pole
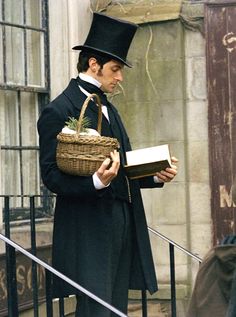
column 144, row 303
column 48, row 282
column 172, row 280
column 61, row 307
column 12, row 299
column 33, row 251
column 160, row 235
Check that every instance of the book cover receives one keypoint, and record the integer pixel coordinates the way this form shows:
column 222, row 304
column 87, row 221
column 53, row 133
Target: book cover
column 147, row 161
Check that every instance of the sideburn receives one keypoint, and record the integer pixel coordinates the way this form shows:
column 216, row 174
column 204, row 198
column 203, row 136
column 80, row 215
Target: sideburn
column 99, row 73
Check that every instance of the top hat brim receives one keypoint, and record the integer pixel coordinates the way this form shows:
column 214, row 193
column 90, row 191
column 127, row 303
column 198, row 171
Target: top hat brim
column 92, row 49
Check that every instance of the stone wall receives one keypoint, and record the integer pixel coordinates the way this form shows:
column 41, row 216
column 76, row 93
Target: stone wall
column 69, row 22
column 163, row 100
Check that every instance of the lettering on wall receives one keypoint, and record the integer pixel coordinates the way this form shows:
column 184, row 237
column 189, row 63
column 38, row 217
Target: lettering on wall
column 229, row 41
column 226, row 197
column 24, row 279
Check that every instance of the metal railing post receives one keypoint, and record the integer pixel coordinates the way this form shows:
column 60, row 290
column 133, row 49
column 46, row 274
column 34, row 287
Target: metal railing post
column 48, row 286
column 33, row 251
column 144, row 303
column 12, row 297
column 61, row 307
column 172, row 280
column 173, row 245
column 62, row 276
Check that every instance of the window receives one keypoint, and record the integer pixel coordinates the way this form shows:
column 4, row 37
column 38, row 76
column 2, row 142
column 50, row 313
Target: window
column 24, row 89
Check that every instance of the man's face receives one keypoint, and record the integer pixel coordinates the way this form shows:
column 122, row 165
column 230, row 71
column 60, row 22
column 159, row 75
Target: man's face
column 110, row 75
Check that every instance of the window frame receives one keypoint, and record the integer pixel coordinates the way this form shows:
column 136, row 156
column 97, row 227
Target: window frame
column 43, row 96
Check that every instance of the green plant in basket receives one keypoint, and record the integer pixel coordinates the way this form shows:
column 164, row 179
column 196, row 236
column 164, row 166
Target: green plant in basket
column 71, row 127
column 72, row 124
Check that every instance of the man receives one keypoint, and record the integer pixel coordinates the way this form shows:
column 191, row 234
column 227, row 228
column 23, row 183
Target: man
column 100, row 235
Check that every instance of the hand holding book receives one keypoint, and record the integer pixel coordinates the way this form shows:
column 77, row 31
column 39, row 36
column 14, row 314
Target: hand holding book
column 151, row 161
column 169, row 173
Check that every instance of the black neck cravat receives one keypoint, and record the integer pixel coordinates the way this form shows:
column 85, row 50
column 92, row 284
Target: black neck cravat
column 93, row 89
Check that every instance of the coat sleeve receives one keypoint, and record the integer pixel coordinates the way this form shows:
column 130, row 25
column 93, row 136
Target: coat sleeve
column 50, row 124
column 148, row 182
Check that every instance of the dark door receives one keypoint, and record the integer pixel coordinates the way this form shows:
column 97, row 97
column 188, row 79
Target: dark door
column 220, row 23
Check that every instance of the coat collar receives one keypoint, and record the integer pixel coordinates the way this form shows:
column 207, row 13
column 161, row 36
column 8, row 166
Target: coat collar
column 77, row 97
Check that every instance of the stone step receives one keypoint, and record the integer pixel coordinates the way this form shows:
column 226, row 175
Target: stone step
column 155, row 309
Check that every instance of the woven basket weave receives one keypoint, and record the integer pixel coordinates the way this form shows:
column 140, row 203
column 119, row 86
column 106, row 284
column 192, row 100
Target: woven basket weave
column 82, row 155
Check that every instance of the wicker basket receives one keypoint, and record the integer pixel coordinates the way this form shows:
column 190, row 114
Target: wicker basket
column 82, row 155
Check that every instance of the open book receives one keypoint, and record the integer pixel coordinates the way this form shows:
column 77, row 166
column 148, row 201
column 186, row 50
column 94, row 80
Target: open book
column 147, row 161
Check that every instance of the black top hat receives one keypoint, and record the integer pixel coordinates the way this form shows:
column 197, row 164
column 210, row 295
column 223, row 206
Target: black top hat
column 109, row 36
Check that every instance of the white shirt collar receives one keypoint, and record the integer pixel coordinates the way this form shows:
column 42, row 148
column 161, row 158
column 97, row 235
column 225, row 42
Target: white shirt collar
column 90, row 79
column 93, row 81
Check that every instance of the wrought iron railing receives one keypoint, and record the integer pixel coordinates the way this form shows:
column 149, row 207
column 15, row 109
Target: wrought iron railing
column 12, row 283
column 172, row 246
column 12, row 247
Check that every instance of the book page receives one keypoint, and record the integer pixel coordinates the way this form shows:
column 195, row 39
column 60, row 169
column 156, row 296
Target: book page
column 148, row 155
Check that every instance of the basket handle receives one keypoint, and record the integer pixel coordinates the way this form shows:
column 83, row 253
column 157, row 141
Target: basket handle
column 79, row 123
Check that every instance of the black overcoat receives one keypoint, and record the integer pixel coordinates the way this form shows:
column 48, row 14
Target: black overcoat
column 82, row 220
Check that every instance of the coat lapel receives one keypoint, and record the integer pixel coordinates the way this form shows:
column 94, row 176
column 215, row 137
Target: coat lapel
column 77, row 98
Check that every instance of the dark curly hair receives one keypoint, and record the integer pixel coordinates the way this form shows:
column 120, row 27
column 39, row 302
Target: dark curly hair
column 84, row 56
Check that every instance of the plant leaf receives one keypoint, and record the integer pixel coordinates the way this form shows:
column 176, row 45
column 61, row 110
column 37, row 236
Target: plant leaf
column 72, row 123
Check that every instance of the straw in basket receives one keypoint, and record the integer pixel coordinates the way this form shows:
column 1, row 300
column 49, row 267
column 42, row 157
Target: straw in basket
column 82, row 155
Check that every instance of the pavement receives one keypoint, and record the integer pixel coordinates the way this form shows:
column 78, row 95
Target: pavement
column 155, row 308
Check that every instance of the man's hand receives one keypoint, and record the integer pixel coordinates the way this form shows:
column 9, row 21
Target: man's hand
column 106, row 174
column 169, row 173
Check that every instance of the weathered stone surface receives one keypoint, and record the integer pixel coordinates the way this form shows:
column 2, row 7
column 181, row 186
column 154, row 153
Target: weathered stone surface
column 145, row 11
column 196, row 117
column 200, row 203
column 164, row 101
